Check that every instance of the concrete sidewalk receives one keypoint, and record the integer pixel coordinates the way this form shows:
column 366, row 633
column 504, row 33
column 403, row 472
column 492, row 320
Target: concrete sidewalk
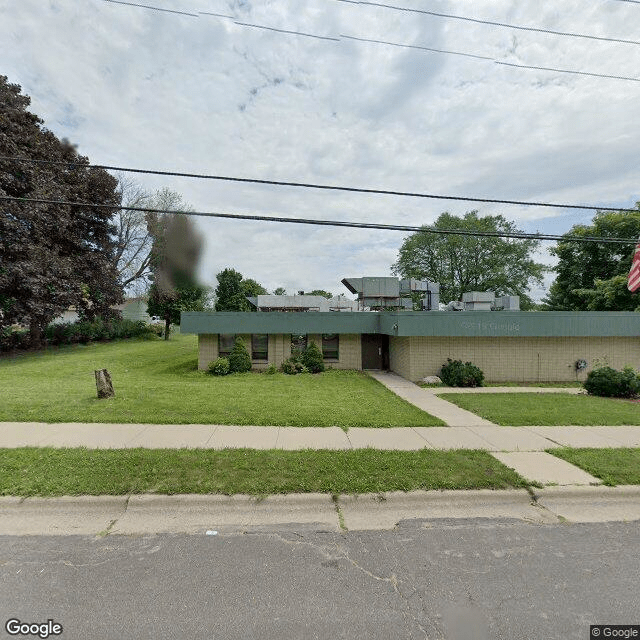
column 521, row 448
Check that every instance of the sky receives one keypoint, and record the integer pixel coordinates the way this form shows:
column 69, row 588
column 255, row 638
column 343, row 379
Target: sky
column 157, row 89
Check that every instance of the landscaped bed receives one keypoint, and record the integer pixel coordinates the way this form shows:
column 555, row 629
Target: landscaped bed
column 158, row 382
column 57, row 472
column 612, row 466
column 517, row 409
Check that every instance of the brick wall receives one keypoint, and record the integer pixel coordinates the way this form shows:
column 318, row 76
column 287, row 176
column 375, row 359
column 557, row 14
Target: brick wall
column 515, row 359
column 280, row 349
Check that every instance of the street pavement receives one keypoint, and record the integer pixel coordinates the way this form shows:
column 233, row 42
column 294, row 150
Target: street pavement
column 470, row 579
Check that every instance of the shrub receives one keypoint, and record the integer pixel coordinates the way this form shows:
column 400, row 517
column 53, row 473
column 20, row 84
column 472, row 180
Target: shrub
column 611, row 383
column 219, row 367
column 271, row 369
column 292, row 366
column 456, row 373
column 312, row 358
column 239, row 358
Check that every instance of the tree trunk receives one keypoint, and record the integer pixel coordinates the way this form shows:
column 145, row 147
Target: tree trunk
column 103, row 384
column 167, row 328
column 35, row 335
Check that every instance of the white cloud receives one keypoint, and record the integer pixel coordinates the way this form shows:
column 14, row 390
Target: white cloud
column 142, row 88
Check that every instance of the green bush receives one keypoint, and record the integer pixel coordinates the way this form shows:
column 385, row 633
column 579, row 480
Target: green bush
column 292, row 366
column 611, row 383
column 239, row 358
column 271, row 369
column 219, row 367
column 456, row 373
column 14, row 338
column 312, row 358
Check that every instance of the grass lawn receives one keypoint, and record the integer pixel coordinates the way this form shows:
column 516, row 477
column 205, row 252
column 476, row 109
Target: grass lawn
column 54, row 472
column 158, row 382
column 518, row 409
column 612, row 466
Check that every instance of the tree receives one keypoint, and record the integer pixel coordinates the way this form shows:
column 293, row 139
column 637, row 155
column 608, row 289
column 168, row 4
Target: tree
column 174, row 259
column 320, row 292
column 233, row 290
column 462, row 263
column 252, row 288
column 280, row 291
column 592, row 276
column 135, row 231
column 51, row 255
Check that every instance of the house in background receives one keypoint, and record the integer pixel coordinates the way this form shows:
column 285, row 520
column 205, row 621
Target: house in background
column 508, row 345
column 131, row 309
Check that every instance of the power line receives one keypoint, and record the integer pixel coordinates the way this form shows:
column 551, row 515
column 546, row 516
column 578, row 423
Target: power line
column 508, row 64
column 579, row 73
column 408, row 46
column 334, row 223
column 297, row 33
column 309, row 185
column 414, row 46
column 146, row 6
column 489, row 22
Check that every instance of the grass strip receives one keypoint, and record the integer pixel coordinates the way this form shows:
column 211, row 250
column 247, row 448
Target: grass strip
column 612, row 466
column 31, row 471
column 547, row 409
column 157, row 382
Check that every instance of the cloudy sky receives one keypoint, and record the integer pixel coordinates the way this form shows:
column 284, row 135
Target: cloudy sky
column 138, row 87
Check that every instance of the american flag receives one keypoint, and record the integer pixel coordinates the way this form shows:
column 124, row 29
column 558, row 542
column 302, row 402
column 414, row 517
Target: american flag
column 634, row 274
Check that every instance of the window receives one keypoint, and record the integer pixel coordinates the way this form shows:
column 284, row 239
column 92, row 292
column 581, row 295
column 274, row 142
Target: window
column 298, row 344
column 330, row 344
column 225, row 344
column 260, row 346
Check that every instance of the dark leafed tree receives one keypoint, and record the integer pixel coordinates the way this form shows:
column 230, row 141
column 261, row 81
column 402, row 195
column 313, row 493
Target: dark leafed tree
column 174, row 259
column 232, row 291
column 320, row 292
column 592, row 276
column 462, row 263
column 51, row 255
column 280, row 291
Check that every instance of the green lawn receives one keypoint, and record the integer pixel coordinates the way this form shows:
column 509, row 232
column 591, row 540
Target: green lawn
column 612, row 466
column 158, row 382
column 56, row 472
column 549, row 409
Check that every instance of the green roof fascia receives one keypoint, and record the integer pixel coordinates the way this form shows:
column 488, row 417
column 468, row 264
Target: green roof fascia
column 513, row 324
column 420, row 323
column 300, row 322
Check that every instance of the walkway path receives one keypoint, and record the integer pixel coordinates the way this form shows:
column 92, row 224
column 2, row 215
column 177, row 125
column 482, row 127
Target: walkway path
column 428, row 401
column 521, row 448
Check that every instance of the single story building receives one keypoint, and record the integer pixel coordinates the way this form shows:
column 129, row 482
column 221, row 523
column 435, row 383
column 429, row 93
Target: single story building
column 515, row 346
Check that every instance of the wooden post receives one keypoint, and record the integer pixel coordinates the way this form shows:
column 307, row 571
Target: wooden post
column 103, row 384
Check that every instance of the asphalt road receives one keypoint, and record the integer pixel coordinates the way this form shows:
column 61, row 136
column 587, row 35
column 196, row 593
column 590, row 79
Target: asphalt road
column 454, row 579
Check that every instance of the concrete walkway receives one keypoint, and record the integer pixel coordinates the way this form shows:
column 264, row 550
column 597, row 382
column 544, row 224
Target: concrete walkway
column 428, row 401
column 521, row 448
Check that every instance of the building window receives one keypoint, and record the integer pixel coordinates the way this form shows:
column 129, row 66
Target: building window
column 225, row 344
column 260, row 346
column 330, row 344
column 298, row 344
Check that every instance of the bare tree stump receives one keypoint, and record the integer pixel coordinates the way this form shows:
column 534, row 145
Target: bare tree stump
column 103, row 384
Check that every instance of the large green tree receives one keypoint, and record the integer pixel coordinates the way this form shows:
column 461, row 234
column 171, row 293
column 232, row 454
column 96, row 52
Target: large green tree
column 462, row 263
column 233, row 290
column 592, row 276
column 51, row 255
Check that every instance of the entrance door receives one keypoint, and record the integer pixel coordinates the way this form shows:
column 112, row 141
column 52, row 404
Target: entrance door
column 375, row 351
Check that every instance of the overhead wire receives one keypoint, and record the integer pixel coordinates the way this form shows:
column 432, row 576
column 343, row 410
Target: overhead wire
column 332, row 223
column 327, row 187
column 490, row 22
column 591, row 74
